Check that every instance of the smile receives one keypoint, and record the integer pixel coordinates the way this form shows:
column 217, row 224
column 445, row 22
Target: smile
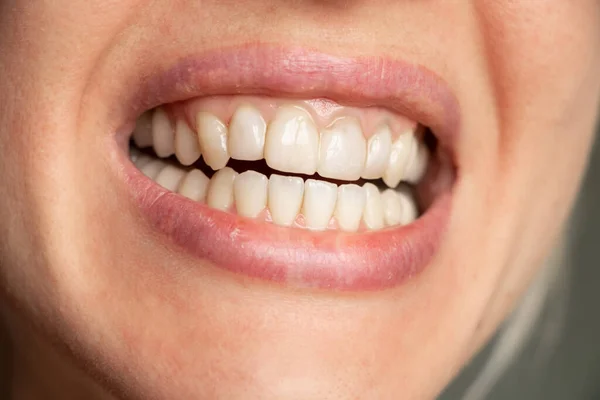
column 296, row 167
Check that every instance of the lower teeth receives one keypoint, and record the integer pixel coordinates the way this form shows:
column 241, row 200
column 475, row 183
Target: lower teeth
column 286, row 200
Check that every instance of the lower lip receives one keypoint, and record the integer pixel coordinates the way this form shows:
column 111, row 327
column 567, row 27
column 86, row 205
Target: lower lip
column 330, row 260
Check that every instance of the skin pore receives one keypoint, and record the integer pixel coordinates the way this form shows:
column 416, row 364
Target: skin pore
column 96, row 301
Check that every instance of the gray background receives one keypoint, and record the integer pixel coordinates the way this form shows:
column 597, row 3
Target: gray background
column 569, row 369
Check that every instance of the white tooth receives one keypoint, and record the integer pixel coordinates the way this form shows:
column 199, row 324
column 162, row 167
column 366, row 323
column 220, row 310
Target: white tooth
column 142, row 160
column 319, row 203
column 134, row 154
column 186, row 143
column 292, row 141
column 170, row 177
column 142, row 133
column 410, row 211
column 392, row 207
column 220, row 189
column 250, row 193
column 163, row 134
column 351, row 201
column 373, row 215
column 343, row 150
column 285, row 198
column 194, row 186
column 378, row 153
column 212, row 137
column 153, row 168
column 400, row 156
column 418, row 165
column 247, row 131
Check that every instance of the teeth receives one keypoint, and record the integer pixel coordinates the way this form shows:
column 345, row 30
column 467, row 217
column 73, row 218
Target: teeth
column 418, row 165
column 319, row 203
column 247, row 131
column 186, row 144
column 378, row 153
column 212, row 137
column 194, row 186
column 285, row 198
column 373, row 215
column 392, row 207
column 351, row 201
column 141, row 161
column 292, row 142
column 153, row 168
column 400, row 156
column 343, row 150
column 410, row 211
column 163, row 135
column 142, row 134
column 220, row 190
column 250, row 193
column 169, row 177
column 134, row 154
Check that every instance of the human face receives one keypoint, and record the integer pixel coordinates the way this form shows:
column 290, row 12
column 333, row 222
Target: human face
column 159, row 296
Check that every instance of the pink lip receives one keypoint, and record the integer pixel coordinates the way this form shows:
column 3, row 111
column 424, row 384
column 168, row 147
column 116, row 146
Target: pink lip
column 295, row 257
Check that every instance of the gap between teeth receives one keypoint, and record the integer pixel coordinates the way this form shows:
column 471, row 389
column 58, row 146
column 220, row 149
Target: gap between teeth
column 286, row 200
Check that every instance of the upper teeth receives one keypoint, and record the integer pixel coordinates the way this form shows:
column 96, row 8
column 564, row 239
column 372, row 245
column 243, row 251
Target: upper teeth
column 290, row 142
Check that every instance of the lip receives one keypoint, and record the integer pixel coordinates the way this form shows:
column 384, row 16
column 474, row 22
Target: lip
column 330, row 260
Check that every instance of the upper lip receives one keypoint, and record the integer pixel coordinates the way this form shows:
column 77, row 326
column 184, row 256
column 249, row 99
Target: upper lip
column 330, row 259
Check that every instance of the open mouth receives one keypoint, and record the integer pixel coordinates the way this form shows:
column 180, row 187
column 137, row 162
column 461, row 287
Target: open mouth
column 335, row 187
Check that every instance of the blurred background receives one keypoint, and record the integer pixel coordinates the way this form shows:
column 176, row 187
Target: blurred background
column 561, row 358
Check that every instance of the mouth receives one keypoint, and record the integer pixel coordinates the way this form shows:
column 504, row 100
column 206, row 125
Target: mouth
column 296, row 167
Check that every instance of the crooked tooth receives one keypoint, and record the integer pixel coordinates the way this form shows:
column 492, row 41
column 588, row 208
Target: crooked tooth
column 292, row 142
column 373, row 214
column 212, row 138
column 319, row 203
column 349, row 208
column 343, row 150
column 163, row 134
column 379, row 147
column 153, row 168
column 285, row 198
column 142, row 133
column 418, row 165
column 410, row 211
column 220, row 189
column 402, row 151
column 186, row 143
column 392, row 207
column 194, row 185
column 247, row 131
column 250, row 193
column 170, row 177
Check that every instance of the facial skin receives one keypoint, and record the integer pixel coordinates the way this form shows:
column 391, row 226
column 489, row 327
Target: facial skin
column 88, row 286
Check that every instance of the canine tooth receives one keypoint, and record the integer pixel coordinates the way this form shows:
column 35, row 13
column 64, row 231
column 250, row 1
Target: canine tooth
column 292, row 141
column 170, row 177
column 220, row 189
column 186, row 143
column 319, row 203
column 392, row 207
column 153, row 168
column 373, row 215
column 285, row 198
column 418, row 165
column 142, row 160
column 410, row 211
column 194, row 185
column 142, row 133
column 247, row 131
column 400, row 156
column 250, row 193
column 163, row 134
column 343, row 150
column 379, row 147
column 212, row 138
column 349, row 208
